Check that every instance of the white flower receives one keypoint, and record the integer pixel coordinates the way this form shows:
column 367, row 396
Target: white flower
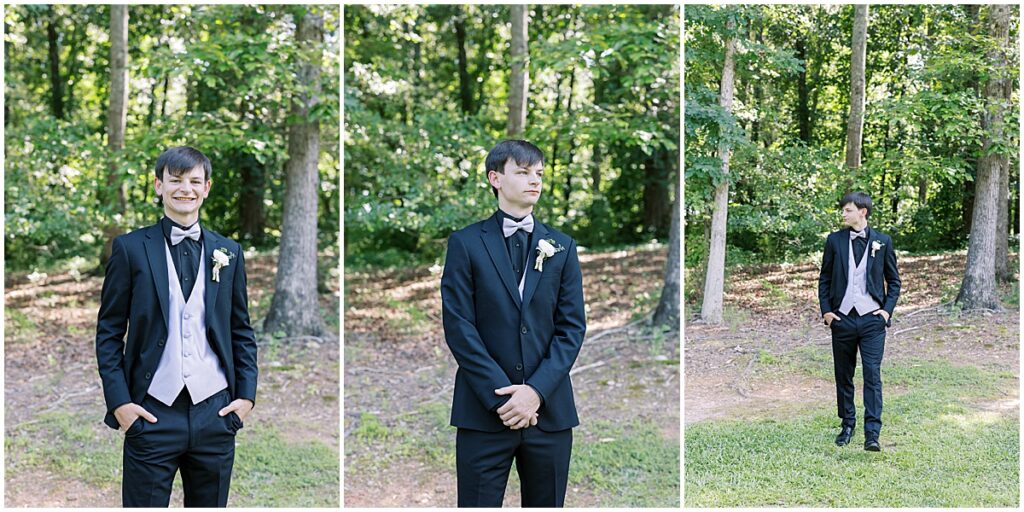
column 875, row 246
column 221, row 259
column 545, row 249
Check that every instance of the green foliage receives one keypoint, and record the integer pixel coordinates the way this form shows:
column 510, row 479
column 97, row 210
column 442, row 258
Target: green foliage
column 603, row 106
column 219, row 78
column 926, row 65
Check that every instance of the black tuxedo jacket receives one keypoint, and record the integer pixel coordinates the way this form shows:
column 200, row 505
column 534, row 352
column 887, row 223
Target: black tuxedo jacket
column 135, row 301
column 499, row 339
column 881, row 270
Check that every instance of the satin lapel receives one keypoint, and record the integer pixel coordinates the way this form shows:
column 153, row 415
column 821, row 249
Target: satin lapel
column 844, row 251
column 211, row 242
column 494, row 242
column 156, row 252
column 867, row 254
column 540, row 231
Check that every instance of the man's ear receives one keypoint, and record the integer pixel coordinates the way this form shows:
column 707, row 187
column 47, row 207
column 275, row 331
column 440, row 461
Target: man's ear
column 493, row 178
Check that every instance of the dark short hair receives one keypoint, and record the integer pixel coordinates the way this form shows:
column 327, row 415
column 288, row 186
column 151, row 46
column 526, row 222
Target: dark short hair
column 521, row 151
column 859, row 199
column 180, row 160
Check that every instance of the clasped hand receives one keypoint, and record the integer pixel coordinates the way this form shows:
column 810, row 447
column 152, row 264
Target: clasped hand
column 521, row 410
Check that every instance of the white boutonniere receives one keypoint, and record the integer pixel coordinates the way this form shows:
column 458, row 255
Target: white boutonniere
column 875, row 246
column 546, row 249
column 221, row 258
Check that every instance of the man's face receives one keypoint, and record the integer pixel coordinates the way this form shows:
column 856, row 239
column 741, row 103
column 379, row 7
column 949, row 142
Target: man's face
column 519, row 186
column 853, row 216
column 184, row 194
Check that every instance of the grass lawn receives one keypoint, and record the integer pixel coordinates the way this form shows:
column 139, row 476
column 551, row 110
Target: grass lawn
column 943, row 445
column 269, row 471
column 627, row 464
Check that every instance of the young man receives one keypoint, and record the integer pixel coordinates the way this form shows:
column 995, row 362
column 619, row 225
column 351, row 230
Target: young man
column 512, row 300
column 857, row 263
column 176, row 353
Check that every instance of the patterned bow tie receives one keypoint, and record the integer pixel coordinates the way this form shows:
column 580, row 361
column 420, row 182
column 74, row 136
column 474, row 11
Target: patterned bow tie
column 858, row 234
column 509, row 226
column 178, row 234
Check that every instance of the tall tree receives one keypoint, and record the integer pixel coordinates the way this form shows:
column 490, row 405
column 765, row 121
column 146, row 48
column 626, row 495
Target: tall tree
column 519, row 82
column 978, row 289
column 53, row 53
column 294, row 309
column 855, row 122
column 465, row 85
column 117, row 118
column 714, row 282
column 667, row 313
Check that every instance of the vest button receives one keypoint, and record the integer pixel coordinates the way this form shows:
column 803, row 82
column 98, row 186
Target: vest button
column 188, row 354
column 187, row 375
column 186, row 335
column 187, row 316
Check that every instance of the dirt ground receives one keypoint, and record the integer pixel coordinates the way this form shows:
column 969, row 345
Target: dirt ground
column 396, row 359
column 50, row 364
column 772, row 311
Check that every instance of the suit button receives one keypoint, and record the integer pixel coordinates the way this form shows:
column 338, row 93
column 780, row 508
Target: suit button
column 524, row 330
column 149, row 375
column 160, row 343
column 519, row 367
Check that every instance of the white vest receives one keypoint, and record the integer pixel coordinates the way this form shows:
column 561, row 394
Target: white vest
column 187, row 360
column 856, row 295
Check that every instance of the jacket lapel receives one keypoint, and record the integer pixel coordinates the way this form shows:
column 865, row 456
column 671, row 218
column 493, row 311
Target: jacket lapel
column 211, row 242
column 156, row 252
column 494, row 242
column 871, row 261
column 844, row 252
column 540, row 231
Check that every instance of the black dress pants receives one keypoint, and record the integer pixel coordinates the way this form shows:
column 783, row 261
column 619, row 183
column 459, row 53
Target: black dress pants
column 867, row 333
column 192, row 438
column 484, row 459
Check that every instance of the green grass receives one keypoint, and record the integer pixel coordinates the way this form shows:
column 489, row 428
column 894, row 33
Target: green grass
column 624, row 464
column 938, row 451
column 269, row 471
column 18, row 324
column 631, row 464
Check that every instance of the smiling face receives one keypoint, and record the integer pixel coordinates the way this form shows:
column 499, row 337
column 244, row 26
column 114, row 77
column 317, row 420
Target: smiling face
column 518, row 187
column 183, row 194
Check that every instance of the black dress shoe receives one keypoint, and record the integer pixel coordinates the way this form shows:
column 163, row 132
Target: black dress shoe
column 844, row 436
column 872, row 445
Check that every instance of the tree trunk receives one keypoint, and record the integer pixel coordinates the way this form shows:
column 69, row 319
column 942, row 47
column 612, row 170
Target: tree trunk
column 855, row 123
column 519, row 82
column 714, row 282
column 295, row 309
column 803, row 112
column 465, row 86
column 117, row 118
column 667, row 313
column 53, row 53
column 978, row 289
column 572, row 141
column 1003, row 273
